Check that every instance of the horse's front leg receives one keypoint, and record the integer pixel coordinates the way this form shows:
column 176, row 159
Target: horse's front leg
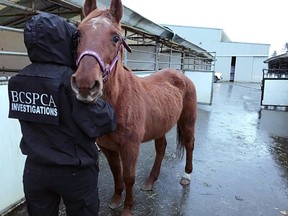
column 160, row 146
column 115, row 164
column 129, row 155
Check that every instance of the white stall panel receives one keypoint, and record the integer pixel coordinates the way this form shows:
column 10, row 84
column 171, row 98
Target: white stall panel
column 11, row 158
column 275, row 92
column 203, row 81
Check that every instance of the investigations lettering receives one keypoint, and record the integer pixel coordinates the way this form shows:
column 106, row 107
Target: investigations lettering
column 32, row 102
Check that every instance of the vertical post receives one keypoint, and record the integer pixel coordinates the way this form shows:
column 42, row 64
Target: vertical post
column 189, row 61
column 182, row 59
column 157, row 48
column 170, row 57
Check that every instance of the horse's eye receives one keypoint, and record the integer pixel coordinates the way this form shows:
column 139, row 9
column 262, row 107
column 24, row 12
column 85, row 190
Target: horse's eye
column 116, row 38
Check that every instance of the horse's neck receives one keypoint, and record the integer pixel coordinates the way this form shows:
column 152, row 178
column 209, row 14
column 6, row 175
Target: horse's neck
column 117, row 84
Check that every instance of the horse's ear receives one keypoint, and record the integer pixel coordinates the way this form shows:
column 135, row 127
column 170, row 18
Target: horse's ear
column 89, row 6
column 116, row 9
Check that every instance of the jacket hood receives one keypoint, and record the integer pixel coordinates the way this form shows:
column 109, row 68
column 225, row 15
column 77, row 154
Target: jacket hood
column 50, row 39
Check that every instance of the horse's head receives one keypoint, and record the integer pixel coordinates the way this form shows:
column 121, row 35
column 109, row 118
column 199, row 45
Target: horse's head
column 99, row 49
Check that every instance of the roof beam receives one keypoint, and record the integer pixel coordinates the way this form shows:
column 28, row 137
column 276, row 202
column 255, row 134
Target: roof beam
column 67, row 4
column 11, row 4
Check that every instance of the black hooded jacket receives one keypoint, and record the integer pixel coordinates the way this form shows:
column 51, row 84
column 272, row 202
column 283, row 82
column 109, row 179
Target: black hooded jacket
column 57, row 129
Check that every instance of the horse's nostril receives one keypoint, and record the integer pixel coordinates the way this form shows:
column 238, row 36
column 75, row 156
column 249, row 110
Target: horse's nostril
column 73, row 83
column 96, row 86
column 73, row 79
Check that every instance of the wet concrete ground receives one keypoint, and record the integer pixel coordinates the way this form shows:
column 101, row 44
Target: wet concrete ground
column 240, row 163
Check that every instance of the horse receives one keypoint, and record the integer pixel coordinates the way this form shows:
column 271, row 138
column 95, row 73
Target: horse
column 146, row 107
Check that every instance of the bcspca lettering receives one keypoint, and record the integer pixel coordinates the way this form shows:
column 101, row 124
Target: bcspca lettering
column 32, row 98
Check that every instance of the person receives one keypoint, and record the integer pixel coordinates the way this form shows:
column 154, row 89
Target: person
column 58, row 131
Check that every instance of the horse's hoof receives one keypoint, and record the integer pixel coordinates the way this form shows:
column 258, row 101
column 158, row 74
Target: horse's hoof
column 146, row 187
column 185, row 181
column 114, row 205
column 126, row 212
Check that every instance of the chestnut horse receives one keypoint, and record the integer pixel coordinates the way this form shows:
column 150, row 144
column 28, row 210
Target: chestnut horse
column 146, row 108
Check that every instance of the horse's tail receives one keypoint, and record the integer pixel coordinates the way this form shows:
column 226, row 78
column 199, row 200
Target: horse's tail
column 180, row 144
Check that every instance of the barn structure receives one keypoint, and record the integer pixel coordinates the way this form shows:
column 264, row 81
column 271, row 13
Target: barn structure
column 153, row 47
column 237, row 61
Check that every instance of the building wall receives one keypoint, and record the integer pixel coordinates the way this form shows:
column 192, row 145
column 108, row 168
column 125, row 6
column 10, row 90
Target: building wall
column 222, row 66
column 244, row 67
column 250, row 57
column 257, row 69
column 247, row 69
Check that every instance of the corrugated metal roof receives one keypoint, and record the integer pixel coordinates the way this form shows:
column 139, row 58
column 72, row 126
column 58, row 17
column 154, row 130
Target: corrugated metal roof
column 277, row 58
column 14, row 13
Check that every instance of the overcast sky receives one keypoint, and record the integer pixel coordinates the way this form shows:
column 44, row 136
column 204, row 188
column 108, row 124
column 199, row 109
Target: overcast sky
column 252, row 21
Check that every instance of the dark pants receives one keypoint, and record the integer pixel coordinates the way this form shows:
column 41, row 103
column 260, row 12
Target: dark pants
column 45, row 185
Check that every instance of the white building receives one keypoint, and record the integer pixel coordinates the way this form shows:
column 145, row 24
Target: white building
column 237, row 61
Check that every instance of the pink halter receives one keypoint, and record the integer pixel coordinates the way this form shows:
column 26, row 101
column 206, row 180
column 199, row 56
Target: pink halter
column 105, row 70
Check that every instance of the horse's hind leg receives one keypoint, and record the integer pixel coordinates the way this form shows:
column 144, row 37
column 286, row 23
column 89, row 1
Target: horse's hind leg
column 160, row 146
column 115, row 164
column 186, row 125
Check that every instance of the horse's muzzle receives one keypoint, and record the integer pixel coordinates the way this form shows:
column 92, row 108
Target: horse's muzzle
column 87, row 95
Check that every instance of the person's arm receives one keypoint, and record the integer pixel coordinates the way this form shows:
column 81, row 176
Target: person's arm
column 94, row 119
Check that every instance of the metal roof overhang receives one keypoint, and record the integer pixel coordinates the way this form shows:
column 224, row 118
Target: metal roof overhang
column 15, row 13
column 277, row 58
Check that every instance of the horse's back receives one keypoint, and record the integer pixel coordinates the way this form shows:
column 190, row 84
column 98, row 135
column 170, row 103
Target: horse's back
column 166, row 76
column 175, row 78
